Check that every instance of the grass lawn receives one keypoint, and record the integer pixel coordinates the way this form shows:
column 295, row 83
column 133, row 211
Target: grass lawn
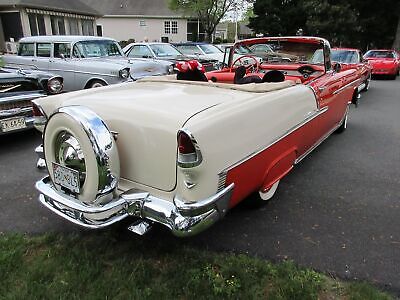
column 111, row 265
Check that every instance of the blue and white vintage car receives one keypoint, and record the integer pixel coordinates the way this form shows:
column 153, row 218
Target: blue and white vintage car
column 83, row 61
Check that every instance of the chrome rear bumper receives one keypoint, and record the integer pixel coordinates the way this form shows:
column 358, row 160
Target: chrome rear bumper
column 183, row 219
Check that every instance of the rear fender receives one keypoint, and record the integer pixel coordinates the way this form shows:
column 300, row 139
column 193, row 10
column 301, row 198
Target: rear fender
column 279, row 168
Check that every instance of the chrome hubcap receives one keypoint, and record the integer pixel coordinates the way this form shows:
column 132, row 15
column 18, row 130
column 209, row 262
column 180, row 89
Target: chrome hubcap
column 69, row 154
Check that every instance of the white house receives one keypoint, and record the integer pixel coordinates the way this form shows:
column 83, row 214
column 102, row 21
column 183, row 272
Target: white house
column 142, row 20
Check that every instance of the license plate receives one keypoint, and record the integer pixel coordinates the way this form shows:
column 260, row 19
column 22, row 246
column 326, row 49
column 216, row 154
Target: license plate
column 12, row 124
column 66, row 177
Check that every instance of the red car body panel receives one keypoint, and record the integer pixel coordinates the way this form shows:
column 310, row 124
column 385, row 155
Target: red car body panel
column 334, row 91
column 362, row 66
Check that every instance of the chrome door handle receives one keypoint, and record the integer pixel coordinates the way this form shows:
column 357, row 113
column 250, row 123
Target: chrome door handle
column 322, row 88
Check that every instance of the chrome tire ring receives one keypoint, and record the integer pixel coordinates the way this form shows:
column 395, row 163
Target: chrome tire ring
column 98, row 148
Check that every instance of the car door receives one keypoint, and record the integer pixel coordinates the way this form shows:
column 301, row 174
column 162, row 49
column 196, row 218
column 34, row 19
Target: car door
column 43, row 53
column 61, row 63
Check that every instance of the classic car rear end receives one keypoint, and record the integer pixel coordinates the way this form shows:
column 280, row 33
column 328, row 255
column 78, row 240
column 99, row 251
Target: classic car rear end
column 183, row 159
column 17, row 89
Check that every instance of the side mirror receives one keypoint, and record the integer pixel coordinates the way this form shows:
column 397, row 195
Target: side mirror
column 337, row 67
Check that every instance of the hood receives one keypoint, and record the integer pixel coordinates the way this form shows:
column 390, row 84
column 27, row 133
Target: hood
column 139, row 67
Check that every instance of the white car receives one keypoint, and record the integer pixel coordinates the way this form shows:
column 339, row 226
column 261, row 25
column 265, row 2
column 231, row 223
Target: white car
column 83, row 61
column 182, row 153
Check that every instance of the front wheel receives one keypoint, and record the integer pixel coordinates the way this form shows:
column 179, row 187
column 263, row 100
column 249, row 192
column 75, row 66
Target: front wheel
column 96, row 84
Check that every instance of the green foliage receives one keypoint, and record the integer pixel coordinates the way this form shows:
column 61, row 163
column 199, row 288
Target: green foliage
column 115, row 266
column 353, row 23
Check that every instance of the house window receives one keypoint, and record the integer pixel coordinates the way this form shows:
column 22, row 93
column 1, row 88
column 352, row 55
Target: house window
column 170, row 27
column 174, row 27
column 36, row 24
column 167, row 27
column 142, row 23
column 57, row 25
column 99, row 29
column 87, row 27
column 73, row 26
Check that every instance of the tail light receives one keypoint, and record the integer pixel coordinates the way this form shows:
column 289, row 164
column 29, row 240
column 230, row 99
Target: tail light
column 39, row 117
column 189, row 154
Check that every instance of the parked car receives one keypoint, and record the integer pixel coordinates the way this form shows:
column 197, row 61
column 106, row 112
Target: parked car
column 182, row 153
column 350, row 58
column 17, row 89
column 166, row 52
column 384, row 62
column 83, row 61
column 202, row 51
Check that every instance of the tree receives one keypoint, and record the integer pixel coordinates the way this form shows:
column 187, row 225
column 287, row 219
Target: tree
column 278, row 17
column 354, row 23
column 209, row 12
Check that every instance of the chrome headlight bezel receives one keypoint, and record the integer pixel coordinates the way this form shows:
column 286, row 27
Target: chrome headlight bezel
column 55, row 85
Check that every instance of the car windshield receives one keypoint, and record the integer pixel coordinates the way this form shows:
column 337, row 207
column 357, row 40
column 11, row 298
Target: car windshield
column 96, row 48
column 164, row 50
column 345, row 56
column 209, row 49
column 379, row 54
column 189, row 49
column 281, row 51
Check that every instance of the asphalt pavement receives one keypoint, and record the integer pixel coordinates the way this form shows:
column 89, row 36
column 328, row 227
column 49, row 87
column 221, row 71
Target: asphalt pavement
column 338, row 211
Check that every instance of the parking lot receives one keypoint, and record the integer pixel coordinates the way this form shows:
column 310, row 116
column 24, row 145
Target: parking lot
column 337, row 212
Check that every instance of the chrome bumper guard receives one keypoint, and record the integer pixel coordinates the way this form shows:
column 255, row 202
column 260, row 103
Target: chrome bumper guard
column 183, row 219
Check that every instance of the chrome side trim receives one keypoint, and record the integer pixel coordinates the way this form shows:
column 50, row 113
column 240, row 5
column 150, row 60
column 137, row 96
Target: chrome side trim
column 183, row 219
column 29, row 96
column 309, row 118
column 338, row 91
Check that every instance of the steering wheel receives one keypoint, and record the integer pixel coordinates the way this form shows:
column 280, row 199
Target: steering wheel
column 306, row 70
column 250, row 67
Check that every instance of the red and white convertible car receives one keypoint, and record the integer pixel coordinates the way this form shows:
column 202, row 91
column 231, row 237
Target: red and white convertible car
column 384, row 62
column 182, row 153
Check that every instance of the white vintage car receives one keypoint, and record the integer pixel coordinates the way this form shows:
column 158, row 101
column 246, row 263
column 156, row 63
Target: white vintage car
column 83, row 61
column 181, row 153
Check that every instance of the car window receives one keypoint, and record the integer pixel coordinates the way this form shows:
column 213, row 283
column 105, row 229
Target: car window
column 209, row 49
column 189, row 49
column 345, row 56
column 43, row 49
column 164, row 50
column 62, row 48
column 96, row 48
column 379, row 54
column 140, row 51
column 26, row 49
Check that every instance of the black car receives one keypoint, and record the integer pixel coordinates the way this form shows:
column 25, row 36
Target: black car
column 17, row 89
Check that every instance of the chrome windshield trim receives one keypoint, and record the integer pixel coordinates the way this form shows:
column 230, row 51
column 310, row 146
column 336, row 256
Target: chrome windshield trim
column 309, row 118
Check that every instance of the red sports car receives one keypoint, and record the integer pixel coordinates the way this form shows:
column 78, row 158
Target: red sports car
column 384, row 62
column 350, row 58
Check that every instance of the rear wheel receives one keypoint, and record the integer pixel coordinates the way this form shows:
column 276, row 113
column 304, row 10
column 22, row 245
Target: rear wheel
column 343, row 126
